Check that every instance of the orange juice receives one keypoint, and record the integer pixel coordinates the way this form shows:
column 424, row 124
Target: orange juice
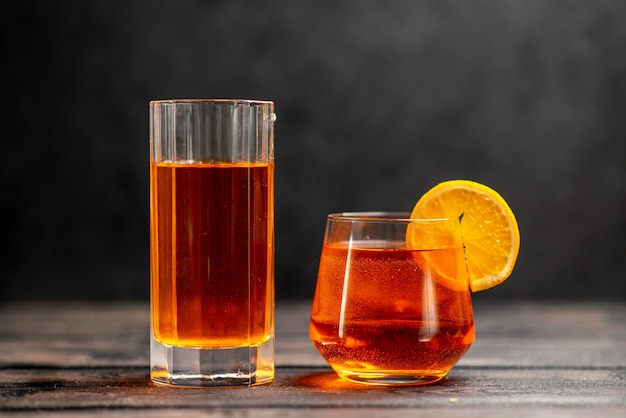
column 381, row 313
column 211, row 249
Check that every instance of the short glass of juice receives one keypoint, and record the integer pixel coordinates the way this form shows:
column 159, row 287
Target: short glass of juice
column 392, row 303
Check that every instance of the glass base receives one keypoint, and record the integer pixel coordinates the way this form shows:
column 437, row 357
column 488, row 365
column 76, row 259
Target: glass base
column 392, row 378
column 202, row 367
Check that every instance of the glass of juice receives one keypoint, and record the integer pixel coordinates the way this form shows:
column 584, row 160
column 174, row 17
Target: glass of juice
column 211, row 242
column 392, row 302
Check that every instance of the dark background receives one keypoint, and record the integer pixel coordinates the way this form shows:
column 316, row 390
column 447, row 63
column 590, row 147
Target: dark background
column 377, row 101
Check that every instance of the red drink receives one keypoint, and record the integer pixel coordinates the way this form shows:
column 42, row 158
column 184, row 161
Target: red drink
column 381, row 312
column 211, row 253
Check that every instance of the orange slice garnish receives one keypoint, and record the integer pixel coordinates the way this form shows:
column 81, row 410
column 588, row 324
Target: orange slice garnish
column 489, row 230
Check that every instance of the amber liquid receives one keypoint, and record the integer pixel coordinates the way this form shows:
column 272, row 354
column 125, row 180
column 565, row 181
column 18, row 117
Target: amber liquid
column 212, row 254
column 385, row 311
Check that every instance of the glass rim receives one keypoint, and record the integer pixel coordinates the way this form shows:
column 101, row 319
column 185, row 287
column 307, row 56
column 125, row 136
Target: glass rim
column 208, row 100
column 381, row 216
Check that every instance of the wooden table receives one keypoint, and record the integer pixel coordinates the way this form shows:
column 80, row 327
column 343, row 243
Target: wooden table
column 529, row 359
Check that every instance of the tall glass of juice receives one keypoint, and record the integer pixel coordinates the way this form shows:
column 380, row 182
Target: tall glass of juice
column 392, row 304
column 212, row 242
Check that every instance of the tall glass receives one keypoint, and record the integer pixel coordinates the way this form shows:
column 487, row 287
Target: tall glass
column 392, row 304
column 211, row 242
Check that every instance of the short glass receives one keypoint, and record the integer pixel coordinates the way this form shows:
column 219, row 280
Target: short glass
column 389, row 310
column 212, row 242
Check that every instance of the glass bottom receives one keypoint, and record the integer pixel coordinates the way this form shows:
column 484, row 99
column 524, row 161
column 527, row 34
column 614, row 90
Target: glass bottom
column 393, row 378
column 202, row 367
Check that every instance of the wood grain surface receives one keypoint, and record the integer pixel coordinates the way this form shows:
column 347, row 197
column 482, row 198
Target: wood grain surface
column 530, row 359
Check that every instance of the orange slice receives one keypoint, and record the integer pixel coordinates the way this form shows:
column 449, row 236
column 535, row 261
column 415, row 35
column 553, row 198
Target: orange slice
column 489, row 229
